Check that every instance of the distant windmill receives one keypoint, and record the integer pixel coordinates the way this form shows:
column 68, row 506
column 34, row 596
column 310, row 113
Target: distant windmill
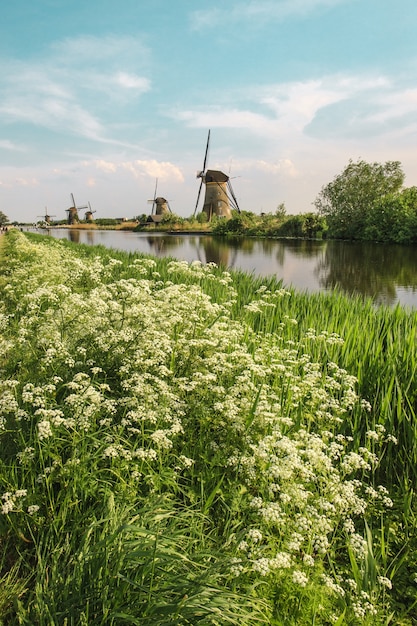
column 219, row 196
column 89, row 214
column 46, row 217
column 73, row 212
column 160, row 206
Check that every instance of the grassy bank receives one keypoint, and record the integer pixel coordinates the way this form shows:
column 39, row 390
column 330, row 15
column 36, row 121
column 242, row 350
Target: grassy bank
column 180, row 445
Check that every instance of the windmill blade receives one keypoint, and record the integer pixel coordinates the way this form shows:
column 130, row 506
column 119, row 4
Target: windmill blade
column 73, row 201
column 232, row 193
column 206, row 154
column 154, row 197
column 198, row 197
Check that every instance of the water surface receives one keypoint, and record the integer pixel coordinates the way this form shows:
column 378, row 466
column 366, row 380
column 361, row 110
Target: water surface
column 385, row 273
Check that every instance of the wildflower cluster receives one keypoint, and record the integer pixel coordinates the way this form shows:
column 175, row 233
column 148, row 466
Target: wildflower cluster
column 112, row 376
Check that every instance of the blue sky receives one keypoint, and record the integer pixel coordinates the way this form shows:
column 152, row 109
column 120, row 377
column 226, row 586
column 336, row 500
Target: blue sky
column 99, row 98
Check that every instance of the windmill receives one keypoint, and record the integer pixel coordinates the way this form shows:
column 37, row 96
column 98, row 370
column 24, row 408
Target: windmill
column 89, row 213
column 160, row 206
column 46, row 217
column 219, row 196
column 73, row 212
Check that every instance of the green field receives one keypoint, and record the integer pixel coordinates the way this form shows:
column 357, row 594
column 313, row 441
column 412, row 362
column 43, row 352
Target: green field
column 183, row 445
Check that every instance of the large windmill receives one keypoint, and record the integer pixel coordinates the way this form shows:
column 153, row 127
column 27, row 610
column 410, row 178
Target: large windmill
column 219, row 196
column 73, row 212
column 160, row 206
column 89, row 213
column 46, row 217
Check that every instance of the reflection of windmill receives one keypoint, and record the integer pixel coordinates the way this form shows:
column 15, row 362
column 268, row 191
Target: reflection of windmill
column 215, row 251
column 89, row 213
column 219, row 197
column 73, row 212
column 46, row 217
column 160, row 206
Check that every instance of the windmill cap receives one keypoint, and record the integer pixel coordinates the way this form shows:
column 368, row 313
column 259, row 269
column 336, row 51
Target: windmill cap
column 215, row 176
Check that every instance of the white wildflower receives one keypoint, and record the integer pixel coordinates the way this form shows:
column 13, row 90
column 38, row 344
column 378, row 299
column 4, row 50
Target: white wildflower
column 255, row 535
column 261, row 566
column 44, row 430
column 385, row 582
column 299, row 578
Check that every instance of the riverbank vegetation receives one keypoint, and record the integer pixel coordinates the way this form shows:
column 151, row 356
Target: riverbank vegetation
column 367, row 202
column 181, row 445
column 245, row 223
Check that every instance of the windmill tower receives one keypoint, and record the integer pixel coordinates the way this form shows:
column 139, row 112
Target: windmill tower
column 89, row 214
column 46, row 217
column 219, row 197
column 73, row 212
column 160, row 206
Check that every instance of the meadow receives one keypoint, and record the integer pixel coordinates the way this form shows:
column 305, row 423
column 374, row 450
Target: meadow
column 184, row 445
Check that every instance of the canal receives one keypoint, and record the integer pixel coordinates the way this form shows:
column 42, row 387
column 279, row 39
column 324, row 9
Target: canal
column 385, row 273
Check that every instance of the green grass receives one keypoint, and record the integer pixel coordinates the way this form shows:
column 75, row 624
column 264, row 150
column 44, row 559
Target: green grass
column 181, row 445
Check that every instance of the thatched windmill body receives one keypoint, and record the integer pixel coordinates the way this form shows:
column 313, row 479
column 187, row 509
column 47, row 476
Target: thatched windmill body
column 160, row 206
column 73, row 212
column 219, row 198
column 89, row 214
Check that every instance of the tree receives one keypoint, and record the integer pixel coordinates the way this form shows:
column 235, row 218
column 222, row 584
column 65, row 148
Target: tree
column 346, row 200
column 393, row 218
column 3, row 219
column 281, row 211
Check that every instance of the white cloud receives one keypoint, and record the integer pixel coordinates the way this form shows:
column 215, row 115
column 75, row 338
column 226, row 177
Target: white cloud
column 106, row 166
column 108, row 51
column 132, row 81
column 26, row 182
column 394, row 105
column 291, row 111
column 163, row 170
column 219, row 117
column 51, row 113
column 155, row 169
column 5, row 144
column 62, row 92
column 283, row 167
column 258, row 10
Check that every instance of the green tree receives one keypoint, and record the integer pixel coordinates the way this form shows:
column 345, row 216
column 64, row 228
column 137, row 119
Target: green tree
column 393, row 218
column 281, row 211
column 3, row 218
column 346, row 201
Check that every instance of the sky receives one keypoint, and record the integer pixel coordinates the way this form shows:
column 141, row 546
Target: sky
column 104, row 99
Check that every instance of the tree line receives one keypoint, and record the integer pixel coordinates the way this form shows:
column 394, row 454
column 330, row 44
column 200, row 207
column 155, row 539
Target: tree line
column 366, row 201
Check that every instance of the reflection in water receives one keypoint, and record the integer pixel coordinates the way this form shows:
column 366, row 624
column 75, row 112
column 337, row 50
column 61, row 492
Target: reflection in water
column 218, row 252
column 160, row 245
column 74, row 235
column 271, row 247
column 371, row 270
column 385, row 273
column 305, row 248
